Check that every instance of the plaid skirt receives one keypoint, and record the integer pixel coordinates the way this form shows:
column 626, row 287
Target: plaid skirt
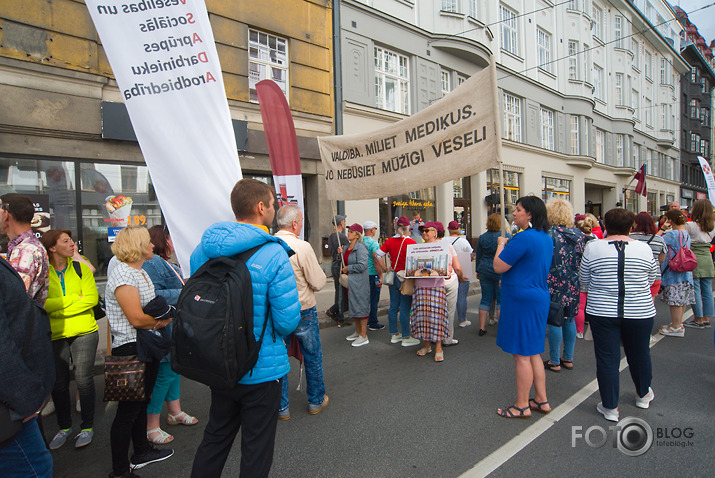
column 428, row 318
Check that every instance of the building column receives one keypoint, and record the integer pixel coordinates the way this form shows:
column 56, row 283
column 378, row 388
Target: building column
column 445, row 203
column 478, row 184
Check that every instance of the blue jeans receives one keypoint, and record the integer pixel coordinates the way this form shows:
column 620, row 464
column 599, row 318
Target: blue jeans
column 81, row 350
column 308, row 335
column 374, row 300
column 565, row 334
column 462, row 294
column 703, row 306
column 26, row 455
column 490, row 291
column 166, row 388
column 607, row 335
column 402, row 304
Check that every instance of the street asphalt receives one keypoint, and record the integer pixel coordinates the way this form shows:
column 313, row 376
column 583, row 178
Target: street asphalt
column 394, row 414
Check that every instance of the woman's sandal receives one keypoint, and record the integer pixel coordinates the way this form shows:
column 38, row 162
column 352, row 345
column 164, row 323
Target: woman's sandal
column 508, row 413
column 160, row 436
column 181, row 419
column 550, row 366
column 538, row 406
column 439, row 357
column 567, row 364
column 424, row 351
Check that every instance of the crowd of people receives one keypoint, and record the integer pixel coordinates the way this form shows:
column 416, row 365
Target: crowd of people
column 560, row 270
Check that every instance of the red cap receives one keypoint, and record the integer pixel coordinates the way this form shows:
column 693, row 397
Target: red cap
column 356, row 228
column 403, row 221
column 453, row 225
column 435, row 224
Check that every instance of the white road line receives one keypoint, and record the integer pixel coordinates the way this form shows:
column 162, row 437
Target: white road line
column 504, row 453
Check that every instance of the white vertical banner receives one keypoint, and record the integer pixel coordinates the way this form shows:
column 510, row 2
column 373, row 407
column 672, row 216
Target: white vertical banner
column 708, row 172
column 164, row 58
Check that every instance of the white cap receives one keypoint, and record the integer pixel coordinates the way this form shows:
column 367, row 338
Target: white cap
column 369, row 225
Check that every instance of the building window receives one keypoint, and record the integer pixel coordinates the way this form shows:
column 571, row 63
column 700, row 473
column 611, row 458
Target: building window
column 512, row 117
column 461, row 79
column 511, row 190
column 636, row 103
column 704, row 82
column 586, row 63
column 635, row 46
column 694, row 142
column 620, row 150
column 449, row 6
column 693, row 108
column 664, row 72
column 573, row 60
column 648, row 112
column 472, row 8
column 267, row 59
column 600, row 146
column 619, row 89
column 555, row 188
column 391, row 81
column 575, row 146
column 598, row 83
column 618, row 32
column 508, row 30
column 635, row 158
column 572, row 5
column 544, row 44
column 648, row 64
column 598, row 22
column 705, row 116
column 705, row 148
column 547, row 129
column 693, row 74
column 446, row 82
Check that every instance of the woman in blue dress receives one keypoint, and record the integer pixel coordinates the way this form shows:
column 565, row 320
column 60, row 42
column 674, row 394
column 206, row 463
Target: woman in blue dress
column 524, row 264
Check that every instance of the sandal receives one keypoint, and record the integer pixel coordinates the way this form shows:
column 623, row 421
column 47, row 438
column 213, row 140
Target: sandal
column 553, row 367
column 181, row 419
column 424, row 351
column 508, row 413
column 160, row 436
column 567, row 364
column 439, row 357
column 539, row 406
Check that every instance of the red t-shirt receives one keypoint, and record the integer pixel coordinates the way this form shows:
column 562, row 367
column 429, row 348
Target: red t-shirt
column 392, row 247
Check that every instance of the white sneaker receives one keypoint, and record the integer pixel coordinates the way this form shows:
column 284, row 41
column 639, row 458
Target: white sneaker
column 644, row 402
column 410, row 341
column 579, row 335
column 466, row 323
column 610, row 414
column 493, row 321
column 360, row 341
column 49, row 409
column 352, row 336
column 60, row 438
column 396, row 339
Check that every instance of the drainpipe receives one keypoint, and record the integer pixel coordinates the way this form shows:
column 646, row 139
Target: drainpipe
column 337, row 80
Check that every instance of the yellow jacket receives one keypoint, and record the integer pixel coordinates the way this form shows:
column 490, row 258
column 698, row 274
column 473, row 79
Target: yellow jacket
column 71, row 312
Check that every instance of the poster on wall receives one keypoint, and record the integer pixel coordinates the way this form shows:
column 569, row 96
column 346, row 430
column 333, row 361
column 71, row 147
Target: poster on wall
column 41, row 221
column 427, row 260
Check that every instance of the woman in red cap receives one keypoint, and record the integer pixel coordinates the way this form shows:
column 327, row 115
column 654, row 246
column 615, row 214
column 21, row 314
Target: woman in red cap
column 355, row 266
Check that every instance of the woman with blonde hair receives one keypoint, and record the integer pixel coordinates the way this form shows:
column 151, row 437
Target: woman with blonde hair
column 563, row 282
column 129, row 288
column 702, row 230
column 355, row 266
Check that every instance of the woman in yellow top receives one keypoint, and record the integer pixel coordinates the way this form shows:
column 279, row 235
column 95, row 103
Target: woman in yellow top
column 70, row 301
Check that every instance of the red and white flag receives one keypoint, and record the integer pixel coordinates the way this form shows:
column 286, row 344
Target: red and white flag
column 641, row 186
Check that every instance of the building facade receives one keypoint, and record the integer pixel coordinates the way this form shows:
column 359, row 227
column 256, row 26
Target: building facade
column 65, row 138
column 589, row 91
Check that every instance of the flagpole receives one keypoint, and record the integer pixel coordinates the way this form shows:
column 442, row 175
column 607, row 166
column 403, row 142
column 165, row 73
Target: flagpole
column 497, row 128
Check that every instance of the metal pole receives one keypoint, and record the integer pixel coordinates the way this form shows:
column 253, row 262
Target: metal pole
column 337, row 81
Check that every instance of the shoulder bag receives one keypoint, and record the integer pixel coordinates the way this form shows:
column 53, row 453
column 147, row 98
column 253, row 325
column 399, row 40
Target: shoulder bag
column 343, row 277
column 389, row 277
column 684, row 259
column 124, row 379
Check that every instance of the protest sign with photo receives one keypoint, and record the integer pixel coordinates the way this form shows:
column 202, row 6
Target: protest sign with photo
column 427, row 260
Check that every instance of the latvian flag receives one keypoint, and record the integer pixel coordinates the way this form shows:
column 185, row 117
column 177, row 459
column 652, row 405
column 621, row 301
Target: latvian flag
column 641, row 186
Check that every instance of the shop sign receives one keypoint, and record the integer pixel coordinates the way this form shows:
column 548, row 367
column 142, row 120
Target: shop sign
column 412, row 204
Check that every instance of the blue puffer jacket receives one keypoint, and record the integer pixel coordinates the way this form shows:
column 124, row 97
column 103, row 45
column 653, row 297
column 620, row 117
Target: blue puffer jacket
column 273, row 279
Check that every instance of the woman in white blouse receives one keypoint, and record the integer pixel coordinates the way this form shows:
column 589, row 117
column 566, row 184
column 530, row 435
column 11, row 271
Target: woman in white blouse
column 128, row 290
column 701, row 230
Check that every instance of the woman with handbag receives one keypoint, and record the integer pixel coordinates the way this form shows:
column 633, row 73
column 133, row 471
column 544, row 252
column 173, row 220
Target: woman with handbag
column 396, row 247
column 569, row 244
column 71, row 298
column 358, row 284
column 702, row 230
column 524, row 264
column 167, row 281
column 678, row 288
column 129, row 289
column 488, row 279
column 618, row 272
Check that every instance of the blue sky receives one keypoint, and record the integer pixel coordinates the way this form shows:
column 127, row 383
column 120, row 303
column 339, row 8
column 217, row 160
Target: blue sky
column 704, row 19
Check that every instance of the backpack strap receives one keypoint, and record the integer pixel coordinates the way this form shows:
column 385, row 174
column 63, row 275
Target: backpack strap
column 77, row 268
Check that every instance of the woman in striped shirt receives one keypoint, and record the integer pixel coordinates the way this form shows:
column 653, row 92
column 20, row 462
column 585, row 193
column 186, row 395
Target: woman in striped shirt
column 618, row 272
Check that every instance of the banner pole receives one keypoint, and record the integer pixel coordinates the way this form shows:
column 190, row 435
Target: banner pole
column 497, row 128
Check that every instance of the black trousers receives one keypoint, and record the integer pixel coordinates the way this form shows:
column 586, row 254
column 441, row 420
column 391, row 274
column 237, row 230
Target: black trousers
column 129, row 423
column 340, row 303
column 254, row 410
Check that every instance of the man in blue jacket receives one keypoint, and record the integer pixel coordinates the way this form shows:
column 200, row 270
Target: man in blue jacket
column 253, row 404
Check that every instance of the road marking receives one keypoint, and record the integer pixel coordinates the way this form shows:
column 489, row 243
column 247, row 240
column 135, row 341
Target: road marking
column 504, row 453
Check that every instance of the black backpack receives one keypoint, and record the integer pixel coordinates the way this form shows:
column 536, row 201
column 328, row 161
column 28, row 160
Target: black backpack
column 212, row 337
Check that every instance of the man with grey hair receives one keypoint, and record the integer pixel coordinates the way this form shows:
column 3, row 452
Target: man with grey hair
column 309, row 278
column 336, row 243
column 374, row 272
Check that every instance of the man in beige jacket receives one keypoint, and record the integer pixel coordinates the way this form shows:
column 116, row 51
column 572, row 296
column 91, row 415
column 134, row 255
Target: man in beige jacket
column 309, row 278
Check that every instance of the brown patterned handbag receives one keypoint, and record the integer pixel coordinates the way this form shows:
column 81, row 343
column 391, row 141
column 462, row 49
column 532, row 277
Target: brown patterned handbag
column 124, row 379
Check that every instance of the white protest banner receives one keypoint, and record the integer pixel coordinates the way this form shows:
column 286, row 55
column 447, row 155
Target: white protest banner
column 455, row 137
column 708, row 172
column 164, row 59
column 427, row 260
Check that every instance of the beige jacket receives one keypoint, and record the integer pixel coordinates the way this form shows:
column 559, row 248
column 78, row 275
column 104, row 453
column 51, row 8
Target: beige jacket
column 309, row 277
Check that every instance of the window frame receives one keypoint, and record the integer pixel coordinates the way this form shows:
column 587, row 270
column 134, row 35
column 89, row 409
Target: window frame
column 509, row 28
column 270, row 65
column 512, row 111
column 544, row 45
column 401, row 81
column 548, row 132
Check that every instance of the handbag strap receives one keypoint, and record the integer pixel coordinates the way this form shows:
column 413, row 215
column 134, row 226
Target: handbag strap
column 174, row 271
column 398, row 254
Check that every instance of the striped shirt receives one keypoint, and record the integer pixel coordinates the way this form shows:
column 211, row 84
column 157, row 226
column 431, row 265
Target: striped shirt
column 599, row 274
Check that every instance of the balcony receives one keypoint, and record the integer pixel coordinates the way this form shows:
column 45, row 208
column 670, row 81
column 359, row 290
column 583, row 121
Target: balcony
column 665, row 138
